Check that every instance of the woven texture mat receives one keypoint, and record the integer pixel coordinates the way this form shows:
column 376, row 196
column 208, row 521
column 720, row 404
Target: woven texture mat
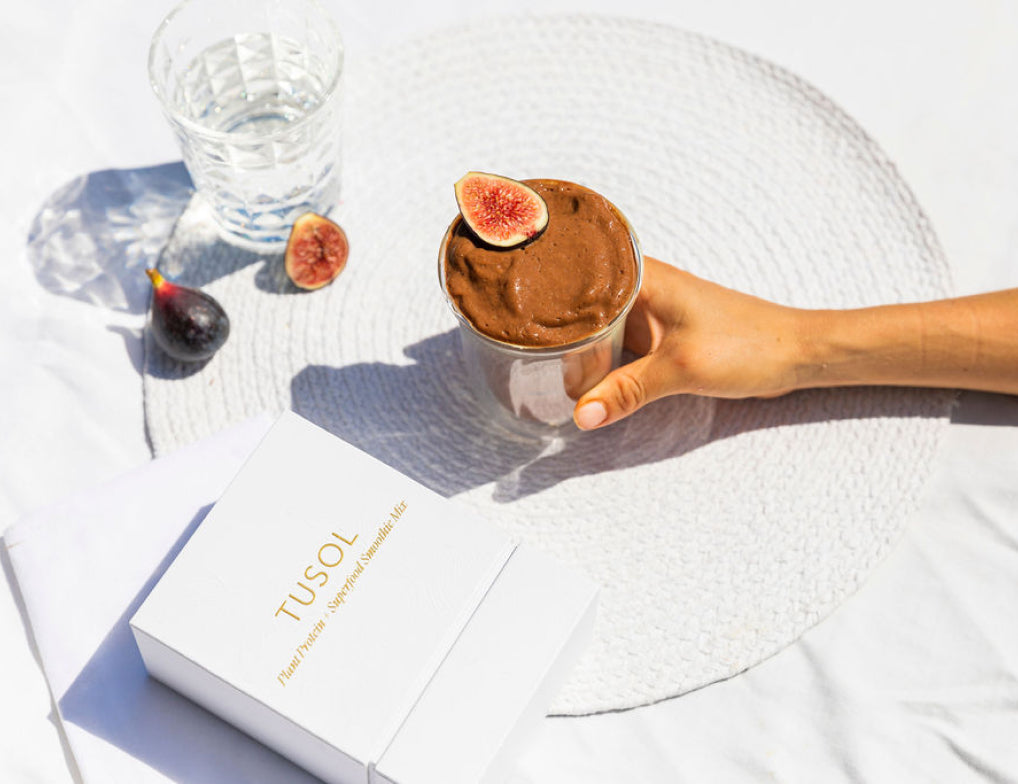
column 720, row 531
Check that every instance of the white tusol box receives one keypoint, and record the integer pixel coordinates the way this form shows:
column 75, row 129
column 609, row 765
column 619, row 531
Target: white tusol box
column 360, row 624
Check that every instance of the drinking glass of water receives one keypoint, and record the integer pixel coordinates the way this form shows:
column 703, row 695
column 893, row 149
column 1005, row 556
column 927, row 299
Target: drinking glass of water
column 252, row 91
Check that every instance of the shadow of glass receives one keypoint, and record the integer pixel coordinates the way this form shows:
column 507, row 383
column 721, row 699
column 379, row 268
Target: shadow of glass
column 421, row 419
column 198, row 254
column 413, row 417
column 114, row 699
column 93, row 238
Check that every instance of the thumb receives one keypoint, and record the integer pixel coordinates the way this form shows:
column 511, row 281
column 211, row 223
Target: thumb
column 621, row 392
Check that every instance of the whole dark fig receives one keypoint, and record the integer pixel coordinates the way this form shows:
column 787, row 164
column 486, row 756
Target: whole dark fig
column 186, row 323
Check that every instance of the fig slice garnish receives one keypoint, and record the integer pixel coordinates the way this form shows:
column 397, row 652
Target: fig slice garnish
column 316, row 251
column 501, row 211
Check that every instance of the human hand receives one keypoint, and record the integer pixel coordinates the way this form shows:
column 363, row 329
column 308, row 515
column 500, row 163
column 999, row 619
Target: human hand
column 696, row 337
column 700, row 338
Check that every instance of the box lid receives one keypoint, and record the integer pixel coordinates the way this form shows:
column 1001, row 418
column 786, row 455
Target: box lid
column 493, row 688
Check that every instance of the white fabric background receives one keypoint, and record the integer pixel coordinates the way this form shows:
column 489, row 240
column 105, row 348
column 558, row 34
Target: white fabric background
column 914, row 679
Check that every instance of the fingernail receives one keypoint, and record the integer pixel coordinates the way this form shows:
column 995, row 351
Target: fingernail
column 591, row 414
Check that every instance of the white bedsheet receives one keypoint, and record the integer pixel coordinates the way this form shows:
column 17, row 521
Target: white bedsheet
column 913, row 679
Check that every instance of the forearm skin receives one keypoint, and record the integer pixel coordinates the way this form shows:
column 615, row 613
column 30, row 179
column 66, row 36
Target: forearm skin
column 966, row 343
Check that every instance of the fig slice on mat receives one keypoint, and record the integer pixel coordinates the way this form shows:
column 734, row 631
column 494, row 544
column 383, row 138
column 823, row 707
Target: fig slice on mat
column 500, row 211
column 316, row 251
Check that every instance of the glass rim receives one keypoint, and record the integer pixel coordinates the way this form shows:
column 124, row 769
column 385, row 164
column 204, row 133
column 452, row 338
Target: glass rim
column 539, row 351
column 328, row 92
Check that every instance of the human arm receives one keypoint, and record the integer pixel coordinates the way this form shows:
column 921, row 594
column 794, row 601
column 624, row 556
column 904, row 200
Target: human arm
column 701, row 338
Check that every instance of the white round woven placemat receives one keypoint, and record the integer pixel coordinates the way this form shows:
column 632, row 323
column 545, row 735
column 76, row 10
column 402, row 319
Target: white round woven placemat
column 718, row 531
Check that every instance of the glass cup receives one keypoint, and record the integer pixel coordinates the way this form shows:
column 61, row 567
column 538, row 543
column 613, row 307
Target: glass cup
column 532, row 390
column 251, row 90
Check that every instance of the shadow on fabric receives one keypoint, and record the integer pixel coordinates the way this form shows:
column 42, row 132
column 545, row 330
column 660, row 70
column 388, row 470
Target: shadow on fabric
column 421, row 419
column 93, row 238
column 114, row 699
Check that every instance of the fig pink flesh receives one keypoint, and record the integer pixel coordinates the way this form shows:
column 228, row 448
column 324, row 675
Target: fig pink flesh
column 500, row 211
column 316, row 253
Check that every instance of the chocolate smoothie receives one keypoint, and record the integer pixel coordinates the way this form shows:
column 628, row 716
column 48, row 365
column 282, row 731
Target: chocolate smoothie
column 568, row 283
